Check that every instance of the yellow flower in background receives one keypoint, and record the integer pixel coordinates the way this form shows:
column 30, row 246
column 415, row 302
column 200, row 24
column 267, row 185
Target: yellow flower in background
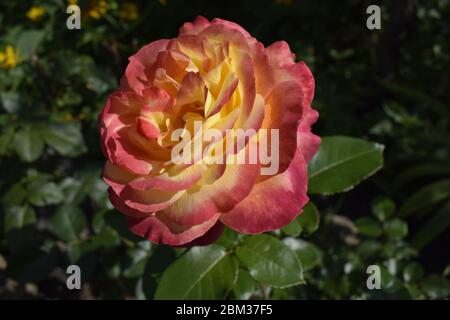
column 35, row 13
column 9, row 58
column 97, row 8
column 129, row 11
column 163, row 2
column 72, row 2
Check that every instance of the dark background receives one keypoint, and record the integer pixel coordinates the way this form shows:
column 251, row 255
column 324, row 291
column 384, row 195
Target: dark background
column 389, row 85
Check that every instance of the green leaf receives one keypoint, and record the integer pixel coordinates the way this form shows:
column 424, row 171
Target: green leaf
column 98, row 192
column 229, row 238
column 28, row 144
column 343, row 162
column 17, row 217
column 16, row 195
column 433, row 227
column 66, row 139
column 413, row 272
column 202, row 273
column 309, row 219
column 10, row 101
column 270, row 261
column 383, row 208
column 113, row 268
column 368, row 227
column 398, row 250
column 391, row 288
column 74, row 190
column 309, row 255
column 6, row 138
column 368, row 248
column 107, row 238
column 396, row 228
column 100, row 80
column 446, row 271
column 436, row 287
column 136, row 265
column 420, row 171
column 28, row 42
column 245, row 286
column 307, row 222
column 44, row 194
column 293, row 229
column 425, row 197
column 68, row 222
column 75, row 250
column 98, row 221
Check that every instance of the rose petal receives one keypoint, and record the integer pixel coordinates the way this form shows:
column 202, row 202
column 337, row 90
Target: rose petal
column 181, row 180
column 308, row 142
column 135, row 74
column 158, row 230
column 279, row 54
column 283, row 112
column 209, row 237
column 273, row 203
column 195, row 27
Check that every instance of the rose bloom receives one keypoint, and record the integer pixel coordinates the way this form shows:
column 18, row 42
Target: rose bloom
column 217, row 73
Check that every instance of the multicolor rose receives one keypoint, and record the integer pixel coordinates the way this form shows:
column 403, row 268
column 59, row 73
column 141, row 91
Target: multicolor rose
column 217, row 73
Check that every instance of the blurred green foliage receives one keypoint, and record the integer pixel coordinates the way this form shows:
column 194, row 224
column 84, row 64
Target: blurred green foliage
column 389, row 86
